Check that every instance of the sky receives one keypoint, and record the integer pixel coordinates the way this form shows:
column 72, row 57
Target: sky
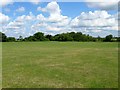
column 26, row 18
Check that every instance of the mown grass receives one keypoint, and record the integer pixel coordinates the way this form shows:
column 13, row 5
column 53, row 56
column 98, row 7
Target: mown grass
column 60, row 65
column 0, row 65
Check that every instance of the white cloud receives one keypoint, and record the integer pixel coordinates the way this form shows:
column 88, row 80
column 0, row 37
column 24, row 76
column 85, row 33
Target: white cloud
column 35, row 1
column 87, row 22
column 15, row 27
column 20, row 18
column 101, row 1
column 16, row 24
column 103, row 4
column 55, row 22
column 4, row 18
column 39, row 8
column 41, row 17
column 53, row 28
column 5, row 2
column 24, row 18
column 97, row 20
column 53, row 8
column 30, row 17
column 20, row 26
column 94, row 15
column 55, row 15
column 21, row 9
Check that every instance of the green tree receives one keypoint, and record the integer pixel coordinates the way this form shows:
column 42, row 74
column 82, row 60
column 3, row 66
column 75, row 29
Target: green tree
column 11, row 39
column 3, row 37
column 0, row 37
column 20, row 38
column 118, row 39
column 30, row 38
column 108, row 38
column 49, row 37
column 63, row 37
column 39, row 36
column 78, row 36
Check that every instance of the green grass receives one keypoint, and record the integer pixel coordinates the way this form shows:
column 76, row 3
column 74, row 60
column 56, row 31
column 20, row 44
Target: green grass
column 60, row 65
column 0, row 65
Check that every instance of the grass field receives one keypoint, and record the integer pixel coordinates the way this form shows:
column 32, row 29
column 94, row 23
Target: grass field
column 60, row 65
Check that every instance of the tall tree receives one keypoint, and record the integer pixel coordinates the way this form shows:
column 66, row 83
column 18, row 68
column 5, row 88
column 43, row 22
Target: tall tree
column 0, row 37
column 3, row 37
column 39, row 36
column 108, row 38
column 20, row 38
column 49, row 37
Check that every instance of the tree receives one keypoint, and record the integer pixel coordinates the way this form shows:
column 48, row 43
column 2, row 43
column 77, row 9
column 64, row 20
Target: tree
column 49, row 37
column 78, row 36
column 72, row 36
column 30, row 38
column 118, row 39
column 63, row 37
column 3, row 37
column 99, row 38
column 0, row 37
column 39, row 36
column 20, row 38
column 108, row 38
column 11, row 39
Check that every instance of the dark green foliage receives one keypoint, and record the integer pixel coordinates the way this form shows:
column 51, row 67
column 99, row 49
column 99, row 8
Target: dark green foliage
column 39, row 36
column 20, row 38
column 0, row 37
column 3, row 37
column 49, row 37
column 63, row 37
column 11, row 39
column 78, row 36
column 108, row 38
column 99, row 39
column 30, row 38
column 118, row 39
column 72, row 36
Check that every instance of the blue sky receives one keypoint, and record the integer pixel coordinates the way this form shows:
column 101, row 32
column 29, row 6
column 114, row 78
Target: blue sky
column 27, row 18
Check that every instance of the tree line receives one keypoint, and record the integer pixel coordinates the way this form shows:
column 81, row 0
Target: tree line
column 71, row 36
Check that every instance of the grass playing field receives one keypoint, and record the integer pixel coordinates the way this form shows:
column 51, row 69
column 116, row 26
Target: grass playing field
column 59, row 65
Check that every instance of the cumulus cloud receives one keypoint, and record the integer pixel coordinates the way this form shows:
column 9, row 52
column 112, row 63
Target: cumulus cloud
column 54, row 23
column 103, row 4
column 24, row 18
column 53, row 28
column 16, row 24
column 54, row 11
column 96, row 21
column 21, row 9
column 5, row 2
column 20, row 26
column 39, row 8
column 15, row 27
column 41, row 17
column 35, row 1
column 4, row 18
